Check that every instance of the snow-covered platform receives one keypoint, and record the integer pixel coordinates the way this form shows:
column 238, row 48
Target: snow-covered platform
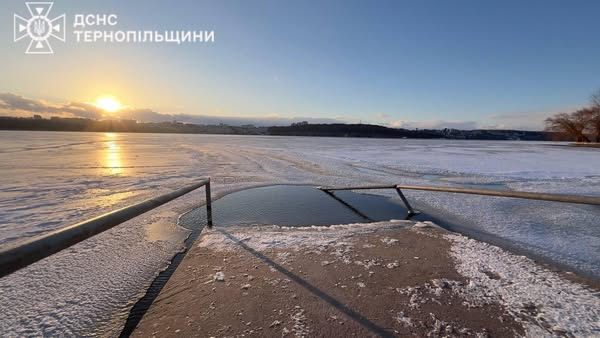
column 393, row 278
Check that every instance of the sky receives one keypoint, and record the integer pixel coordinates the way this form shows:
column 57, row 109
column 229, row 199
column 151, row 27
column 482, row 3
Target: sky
column 417, row 64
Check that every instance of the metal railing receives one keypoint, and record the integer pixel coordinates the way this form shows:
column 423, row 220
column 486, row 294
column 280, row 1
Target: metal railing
column 591, row 200
column 15, row 256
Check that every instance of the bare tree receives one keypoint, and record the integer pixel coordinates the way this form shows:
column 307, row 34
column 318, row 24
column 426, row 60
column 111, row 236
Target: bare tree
column 596, row 99
column 581, row 125
column 594, row 122
column 573, row 124
column 594, row 116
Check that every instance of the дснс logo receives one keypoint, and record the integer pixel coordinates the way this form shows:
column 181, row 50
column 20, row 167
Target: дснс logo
column 39, row 28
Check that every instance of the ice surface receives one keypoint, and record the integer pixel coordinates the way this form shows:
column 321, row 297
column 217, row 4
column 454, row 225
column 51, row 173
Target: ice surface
column 50, row 180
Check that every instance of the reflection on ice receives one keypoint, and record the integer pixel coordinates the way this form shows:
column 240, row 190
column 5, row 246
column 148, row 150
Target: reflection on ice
column 112, row 156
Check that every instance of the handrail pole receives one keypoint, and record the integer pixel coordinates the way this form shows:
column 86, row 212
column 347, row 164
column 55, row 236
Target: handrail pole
column 411, row 211
column 17, row 255
column 591, row 200
column 576, row 199
column 364, row 187
column 209, row 219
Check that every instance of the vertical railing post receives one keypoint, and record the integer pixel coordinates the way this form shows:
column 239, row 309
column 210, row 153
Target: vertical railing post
column 411, row 211
column 209, row 219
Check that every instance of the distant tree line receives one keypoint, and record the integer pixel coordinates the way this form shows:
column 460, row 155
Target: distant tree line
column 297, row 129
column 349, row 130
column 124, row 126
column 369, row 130
column 583, row 125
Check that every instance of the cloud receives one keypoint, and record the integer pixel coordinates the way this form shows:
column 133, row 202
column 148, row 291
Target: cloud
column 258, row 121
column 16, row 105
column 515, row 121
column 435, row 124
column 521, row 121
column 21, row 106
column 15, row 102
column 147, row 115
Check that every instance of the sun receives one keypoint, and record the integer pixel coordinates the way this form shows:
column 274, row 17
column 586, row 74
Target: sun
column 108, row 104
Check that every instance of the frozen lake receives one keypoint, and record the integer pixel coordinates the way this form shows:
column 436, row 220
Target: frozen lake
column 50, row 180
